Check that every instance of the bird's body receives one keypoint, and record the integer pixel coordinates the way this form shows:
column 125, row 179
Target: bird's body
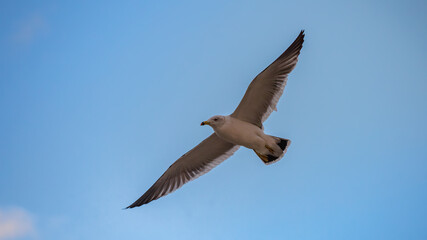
column 245, row 134
column 240, row 133
column 241, row 128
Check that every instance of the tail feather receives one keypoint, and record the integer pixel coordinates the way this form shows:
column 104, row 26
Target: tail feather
column 283, row 144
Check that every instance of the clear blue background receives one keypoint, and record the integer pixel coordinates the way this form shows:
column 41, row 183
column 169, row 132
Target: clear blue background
column 98, row 99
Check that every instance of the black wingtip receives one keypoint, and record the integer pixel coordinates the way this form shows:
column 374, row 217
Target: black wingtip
column 137, row 203
column 129, row 207
column 301, row 35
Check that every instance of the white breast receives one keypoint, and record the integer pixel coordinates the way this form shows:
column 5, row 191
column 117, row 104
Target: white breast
column 241, row 133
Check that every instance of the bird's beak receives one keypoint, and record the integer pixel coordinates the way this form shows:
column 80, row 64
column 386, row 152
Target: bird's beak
column 205, row 123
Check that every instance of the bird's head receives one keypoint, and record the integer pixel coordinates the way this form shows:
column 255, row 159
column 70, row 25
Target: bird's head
column 214, row 121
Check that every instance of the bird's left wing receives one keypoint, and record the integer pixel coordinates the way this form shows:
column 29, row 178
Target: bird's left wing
column 198, row 161
column 265, row 90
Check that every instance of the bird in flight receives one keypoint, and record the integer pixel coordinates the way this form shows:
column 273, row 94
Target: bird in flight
column 242, row 128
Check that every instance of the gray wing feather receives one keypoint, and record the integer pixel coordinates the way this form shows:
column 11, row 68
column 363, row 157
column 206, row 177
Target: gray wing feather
column 264, row 92
column 198, row 161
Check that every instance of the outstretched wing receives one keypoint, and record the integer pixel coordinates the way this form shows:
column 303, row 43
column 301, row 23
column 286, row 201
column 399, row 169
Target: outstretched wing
column 198, row 161
column 265, row 90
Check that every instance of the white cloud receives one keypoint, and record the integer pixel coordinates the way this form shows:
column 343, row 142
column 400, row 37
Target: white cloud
column 29, row 29
column 15, row 223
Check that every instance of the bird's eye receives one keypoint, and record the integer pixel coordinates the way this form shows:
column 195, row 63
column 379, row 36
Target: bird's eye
column 215, row 119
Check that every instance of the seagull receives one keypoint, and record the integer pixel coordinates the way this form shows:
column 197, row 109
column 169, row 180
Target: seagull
column 242, row 128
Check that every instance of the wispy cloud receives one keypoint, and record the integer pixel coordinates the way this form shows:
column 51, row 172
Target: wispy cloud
column 29, row 29
column 15, row 223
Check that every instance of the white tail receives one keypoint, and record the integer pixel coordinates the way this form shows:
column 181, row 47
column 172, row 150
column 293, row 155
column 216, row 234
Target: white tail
column 275, row 156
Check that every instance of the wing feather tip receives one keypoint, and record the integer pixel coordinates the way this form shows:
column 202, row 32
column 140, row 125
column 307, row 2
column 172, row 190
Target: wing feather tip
column 128, row 207
column 136, row 204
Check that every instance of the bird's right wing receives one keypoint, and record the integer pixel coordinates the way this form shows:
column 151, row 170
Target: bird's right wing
column 198, row 161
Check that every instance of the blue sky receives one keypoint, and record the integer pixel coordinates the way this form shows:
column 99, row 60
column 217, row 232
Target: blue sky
column 98, row 99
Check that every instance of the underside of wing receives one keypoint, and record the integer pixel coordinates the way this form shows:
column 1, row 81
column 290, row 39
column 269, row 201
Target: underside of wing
column 198, row 161
column 265, row 90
